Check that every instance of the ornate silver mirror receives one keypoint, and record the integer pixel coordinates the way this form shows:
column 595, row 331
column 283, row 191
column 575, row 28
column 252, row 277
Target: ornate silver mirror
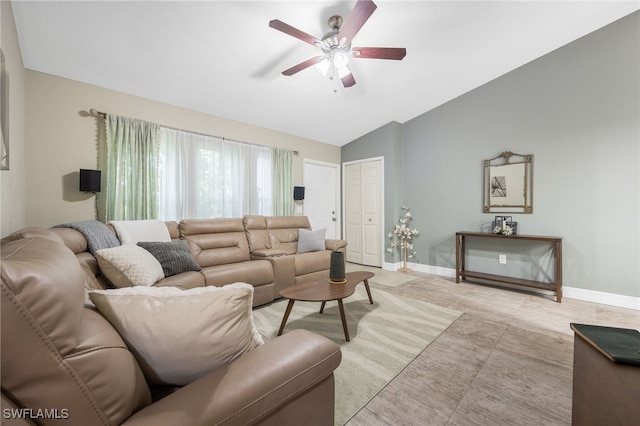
column 508, row 184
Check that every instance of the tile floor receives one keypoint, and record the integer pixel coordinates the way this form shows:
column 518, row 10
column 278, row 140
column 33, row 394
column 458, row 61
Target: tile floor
column 506, row 361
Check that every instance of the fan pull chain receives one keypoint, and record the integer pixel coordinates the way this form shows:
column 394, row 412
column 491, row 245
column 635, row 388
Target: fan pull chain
column 334, row 77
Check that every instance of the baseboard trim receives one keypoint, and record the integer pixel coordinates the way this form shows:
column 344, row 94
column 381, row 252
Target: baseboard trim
column 611, row 299
column 418, row 267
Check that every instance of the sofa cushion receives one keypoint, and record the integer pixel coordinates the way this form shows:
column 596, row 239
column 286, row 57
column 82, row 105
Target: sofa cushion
column 255, row 227
column 179, row 335
column 283, row 231
column 73, row 239
column 214, row 242
column 46, row 279
column 174, row 256
column 185, row 280
column 311, row 240
column 129, row 265
column 55, row 352
column 256, row 272
column 287, row 222
column 32, row 232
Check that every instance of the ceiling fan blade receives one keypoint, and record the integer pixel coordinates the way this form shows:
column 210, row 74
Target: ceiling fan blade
column 348, row 80
column 302, row 65
column 396, row 53
column 288, row 29
column 356, row 19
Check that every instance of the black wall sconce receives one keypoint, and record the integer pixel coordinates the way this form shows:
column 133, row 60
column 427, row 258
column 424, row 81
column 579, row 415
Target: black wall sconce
column 90, row 180
column 298, row 193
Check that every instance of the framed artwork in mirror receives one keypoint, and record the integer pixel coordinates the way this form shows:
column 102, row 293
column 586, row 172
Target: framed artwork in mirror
column 508, row 184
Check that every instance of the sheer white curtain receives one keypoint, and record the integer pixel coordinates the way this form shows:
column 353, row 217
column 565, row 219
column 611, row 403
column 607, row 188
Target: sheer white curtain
column 205, row 176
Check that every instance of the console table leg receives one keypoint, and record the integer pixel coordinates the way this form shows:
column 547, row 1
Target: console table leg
column 459, row 256
column 558, row 250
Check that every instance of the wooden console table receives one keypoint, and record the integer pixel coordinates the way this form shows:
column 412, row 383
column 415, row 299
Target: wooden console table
column 462, row 273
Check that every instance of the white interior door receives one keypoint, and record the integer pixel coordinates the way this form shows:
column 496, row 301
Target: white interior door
column 363, row 212
column 353, row 212
column 371, row 201
column 321, row 199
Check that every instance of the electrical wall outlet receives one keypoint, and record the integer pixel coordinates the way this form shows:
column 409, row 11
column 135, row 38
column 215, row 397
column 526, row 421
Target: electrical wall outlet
column 502, row 259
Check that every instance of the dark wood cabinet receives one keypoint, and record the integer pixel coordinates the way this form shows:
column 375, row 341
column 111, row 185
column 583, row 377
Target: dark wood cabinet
column 606, row 376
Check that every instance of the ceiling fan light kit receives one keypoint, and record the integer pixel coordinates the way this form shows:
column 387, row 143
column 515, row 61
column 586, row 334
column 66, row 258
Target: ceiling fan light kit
column 336, row 45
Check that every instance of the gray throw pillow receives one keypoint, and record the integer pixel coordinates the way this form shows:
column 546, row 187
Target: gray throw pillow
column 174, row 256
column 311, row 240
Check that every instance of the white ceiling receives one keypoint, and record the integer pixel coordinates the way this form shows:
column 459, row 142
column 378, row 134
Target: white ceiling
column 221, row 57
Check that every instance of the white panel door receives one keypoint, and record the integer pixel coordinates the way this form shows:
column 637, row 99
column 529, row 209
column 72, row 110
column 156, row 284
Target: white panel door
column 363, row 199
column 353, row 212
column 371, row 229
column 321, row 197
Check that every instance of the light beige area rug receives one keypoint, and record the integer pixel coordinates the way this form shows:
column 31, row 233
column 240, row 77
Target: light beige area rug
column 385, row 338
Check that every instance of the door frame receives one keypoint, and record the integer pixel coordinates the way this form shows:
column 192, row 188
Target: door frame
column 337, row 171
column 383, row 234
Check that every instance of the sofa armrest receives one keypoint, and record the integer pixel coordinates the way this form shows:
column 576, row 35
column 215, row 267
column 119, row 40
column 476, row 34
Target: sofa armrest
column 184, row 280
column 252, row 387
column 284, row 268
column 335, row 245
column 263, row 253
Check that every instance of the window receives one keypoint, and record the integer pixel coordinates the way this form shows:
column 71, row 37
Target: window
column 205, row 176
column 155, row 172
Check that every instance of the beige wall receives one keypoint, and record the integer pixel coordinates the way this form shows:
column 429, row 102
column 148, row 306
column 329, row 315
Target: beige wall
column 12, row 205
column 62, row 138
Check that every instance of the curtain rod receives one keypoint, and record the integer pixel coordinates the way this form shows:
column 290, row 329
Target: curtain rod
column 94, row 112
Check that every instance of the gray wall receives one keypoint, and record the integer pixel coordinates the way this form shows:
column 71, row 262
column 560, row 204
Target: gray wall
column 577, row 110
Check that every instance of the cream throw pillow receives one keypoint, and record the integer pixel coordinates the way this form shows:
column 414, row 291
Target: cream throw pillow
column 179, row 335
column 133, row 231
column 129, row 265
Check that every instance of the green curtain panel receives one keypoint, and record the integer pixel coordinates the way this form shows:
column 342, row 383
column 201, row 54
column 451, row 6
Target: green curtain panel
column 132, row 170
column 282, row 181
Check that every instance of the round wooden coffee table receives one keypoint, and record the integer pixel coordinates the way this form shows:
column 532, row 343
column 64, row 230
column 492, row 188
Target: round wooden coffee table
column 323, row 291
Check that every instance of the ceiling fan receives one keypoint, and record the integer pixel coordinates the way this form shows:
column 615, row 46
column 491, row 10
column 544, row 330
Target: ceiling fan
column 336, row 44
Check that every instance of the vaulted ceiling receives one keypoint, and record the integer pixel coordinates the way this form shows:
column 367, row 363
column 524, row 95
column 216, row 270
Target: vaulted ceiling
column 222, row 58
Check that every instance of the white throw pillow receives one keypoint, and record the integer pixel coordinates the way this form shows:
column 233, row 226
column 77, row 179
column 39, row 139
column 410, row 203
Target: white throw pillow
column 129, row 265
column 179, row 335
column 134, row 231
column 311, row 240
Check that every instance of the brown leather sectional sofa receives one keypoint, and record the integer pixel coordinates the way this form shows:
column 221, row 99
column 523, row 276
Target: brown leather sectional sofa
column 259, row 250
column 64, row 363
